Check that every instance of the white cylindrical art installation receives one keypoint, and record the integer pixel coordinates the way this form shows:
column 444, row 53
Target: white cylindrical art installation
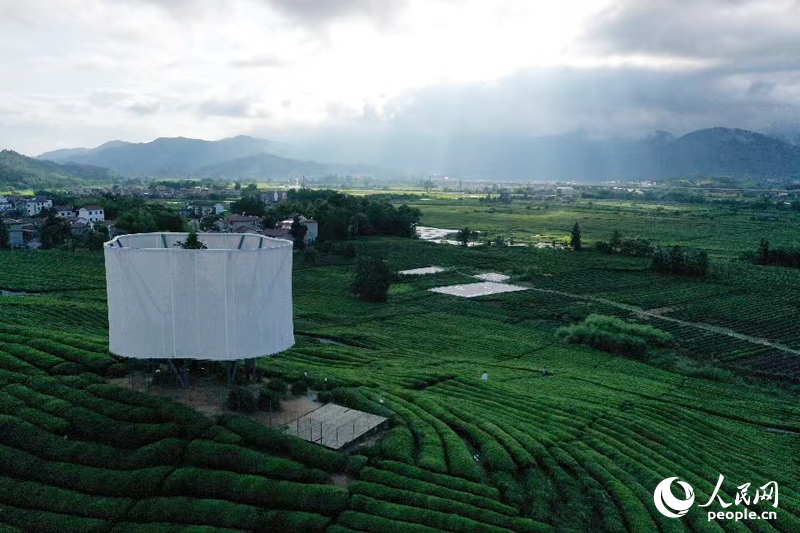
column 232, row 300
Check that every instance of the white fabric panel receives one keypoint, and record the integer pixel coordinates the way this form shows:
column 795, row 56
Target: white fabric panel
column 222, row 303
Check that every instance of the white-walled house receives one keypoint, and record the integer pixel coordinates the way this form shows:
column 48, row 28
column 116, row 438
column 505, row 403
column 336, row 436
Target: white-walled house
column 34, row 206
column 65, row 211
column 204, row 208
column 92, row 213
column 312, row 225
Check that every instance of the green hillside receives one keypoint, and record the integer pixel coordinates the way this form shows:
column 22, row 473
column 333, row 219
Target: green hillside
column 578, row 450
column 21, row 172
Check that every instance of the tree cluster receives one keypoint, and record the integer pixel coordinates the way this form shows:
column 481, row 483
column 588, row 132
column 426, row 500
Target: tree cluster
column 632, row 247
column 682, row 261
column 342, row 216
column 776, row 256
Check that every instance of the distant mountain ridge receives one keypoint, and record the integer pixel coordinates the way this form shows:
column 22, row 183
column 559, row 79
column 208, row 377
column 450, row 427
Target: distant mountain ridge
column 713, row 152
column 235, row 157
column 18, row 171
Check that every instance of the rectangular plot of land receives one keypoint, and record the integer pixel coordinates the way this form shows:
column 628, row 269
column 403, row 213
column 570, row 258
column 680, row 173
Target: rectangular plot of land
column 427, row 233
column 424, row 270
column 492, row 276
column 471, row 290
column 333, row 425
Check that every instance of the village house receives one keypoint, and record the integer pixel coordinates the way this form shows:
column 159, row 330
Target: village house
column 34, row 206
column 205, row 208
column 91, row 213
column 15, row 237
column 65, row 211
column 312, row 225
column 243, row 224
column 6, row 204
column 277, row 233
column 273, row 197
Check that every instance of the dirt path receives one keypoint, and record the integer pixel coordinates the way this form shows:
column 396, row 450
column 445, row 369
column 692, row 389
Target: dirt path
column 698, row 325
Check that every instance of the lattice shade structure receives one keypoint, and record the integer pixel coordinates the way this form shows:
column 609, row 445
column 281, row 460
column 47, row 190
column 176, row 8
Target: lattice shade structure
column 230, row 301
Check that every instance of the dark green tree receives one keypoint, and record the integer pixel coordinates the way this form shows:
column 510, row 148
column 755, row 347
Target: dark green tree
column 763, row 252
column 55, row 232
column 372, row 279
column 137, row 220
column 465, row 235
column 207, row 222
column 616, row 242
column 271, row 218
column 95, row 239
column 575, row 238
column 4, row 237
column 192, row 242
column 248, row 205
column 298, row 232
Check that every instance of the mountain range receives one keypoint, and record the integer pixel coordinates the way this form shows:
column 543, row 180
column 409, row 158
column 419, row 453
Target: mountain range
column 19, row 172
column 714, row 152
column 232, row 158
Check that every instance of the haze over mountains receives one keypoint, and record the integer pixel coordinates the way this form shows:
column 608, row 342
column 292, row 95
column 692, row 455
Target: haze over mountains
column 714, row 152
column 236, row 157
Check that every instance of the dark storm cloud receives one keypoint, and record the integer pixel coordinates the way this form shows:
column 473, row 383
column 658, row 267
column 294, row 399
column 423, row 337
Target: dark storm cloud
column 706, row 63
column 752, row 34
column 430, row 124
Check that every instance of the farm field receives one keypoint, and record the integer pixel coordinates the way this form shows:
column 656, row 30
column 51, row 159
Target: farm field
column 580, row 449
column 722, row 232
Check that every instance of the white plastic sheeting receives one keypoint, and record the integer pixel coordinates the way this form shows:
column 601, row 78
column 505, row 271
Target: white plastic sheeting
column 230, row 301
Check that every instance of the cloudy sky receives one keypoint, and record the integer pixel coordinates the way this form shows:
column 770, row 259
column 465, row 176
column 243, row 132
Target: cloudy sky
column 344, row 74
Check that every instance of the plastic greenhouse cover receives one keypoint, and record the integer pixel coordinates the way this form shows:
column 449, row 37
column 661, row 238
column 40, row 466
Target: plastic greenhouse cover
column 230, row 301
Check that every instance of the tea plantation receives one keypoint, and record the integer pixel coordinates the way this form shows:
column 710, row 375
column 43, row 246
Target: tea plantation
column 578, row 449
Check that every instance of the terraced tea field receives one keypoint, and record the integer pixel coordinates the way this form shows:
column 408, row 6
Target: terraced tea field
column 580, row 449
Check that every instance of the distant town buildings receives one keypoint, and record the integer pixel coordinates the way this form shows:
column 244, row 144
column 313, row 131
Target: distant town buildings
column 202, row 208
column 273, row 197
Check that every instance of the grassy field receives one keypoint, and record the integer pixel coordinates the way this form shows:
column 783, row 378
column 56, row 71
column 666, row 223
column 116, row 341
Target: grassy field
column 721, row 232
column 578, row 450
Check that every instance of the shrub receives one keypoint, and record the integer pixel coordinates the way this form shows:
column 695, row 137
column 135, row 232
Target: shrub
column 372, row 279
column 47, row 522
column 392, row 479
column 277, row 441
column 218, row 456
column 219, row 513
column 257, row 490
column 399, row 445
column 300, row 388
column 277, row 384
column 615, row 335
column 241, row 399
column 451, row 482
column 269, row 399
column 56, row 500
